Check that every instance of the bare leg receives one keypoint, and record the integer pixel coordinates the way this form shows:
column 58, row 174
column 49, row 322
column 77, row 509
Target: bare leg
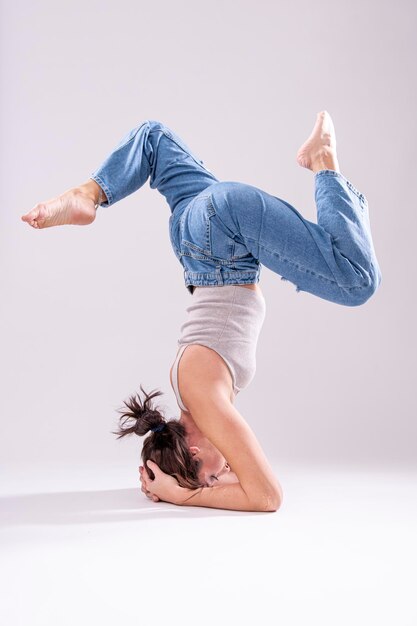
column 75, row 206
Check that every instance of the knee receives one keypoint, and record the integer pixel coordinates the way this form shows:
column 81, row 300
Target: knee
column 360, row 295
column 154, row 124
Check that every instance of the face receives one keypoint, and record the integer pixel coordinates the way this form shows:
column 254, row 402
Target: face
column 213, row 467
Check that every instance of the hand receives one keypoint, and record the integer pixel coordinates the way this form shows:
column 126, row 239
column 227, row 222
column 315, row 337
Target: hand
column 163, row 487
column 143, row 488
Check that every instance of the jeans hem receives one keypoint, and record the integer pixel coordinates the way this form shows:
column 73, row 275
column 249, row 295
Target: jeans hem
column 356, row 191
column 104, row 187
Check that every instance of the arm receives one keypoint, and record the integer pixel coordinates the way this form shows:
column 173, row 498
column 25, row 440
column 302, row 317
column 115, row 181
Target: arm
column 207, row 396
column 228, row 496
column 206, row 393
column 257, row 489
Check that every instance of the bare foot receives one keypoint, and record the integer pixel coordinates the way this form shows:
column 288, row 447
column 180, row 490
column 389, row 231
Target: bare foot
column 319, row 151
column 72, row 207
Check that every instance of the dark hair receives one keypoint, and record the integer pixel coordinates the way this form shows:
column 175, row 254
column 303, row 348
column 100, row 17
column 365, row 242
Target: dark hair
column 168, row 447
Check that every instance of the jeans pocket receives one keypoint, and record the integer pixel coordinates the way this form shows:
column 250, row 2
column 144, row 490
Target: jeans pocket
column 203, row 235
column 195, row 228
column 239, row 250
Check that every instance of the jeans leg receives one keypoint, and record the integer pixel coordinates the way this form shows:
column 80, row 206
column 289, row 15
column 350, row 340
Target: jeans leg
column 333, row 259
column 153, row 150
column 343, row 212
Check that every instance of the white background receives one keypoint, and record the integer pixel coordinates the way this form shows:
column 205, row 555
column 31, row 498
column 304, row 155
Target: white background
column 90, row 313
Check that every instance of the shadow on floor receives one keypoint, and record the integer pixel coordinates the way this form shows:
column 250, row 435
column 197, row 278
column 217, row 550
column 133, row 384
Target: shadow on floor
column 85, row 507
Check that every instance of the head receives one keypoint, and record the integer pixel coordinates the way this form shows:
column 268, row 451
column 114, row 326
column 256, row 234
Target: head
column 179, row 448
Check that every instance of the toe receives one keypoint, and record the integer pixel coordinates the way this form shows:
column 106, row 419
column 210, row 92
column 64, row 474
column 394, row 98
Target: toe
column 31, row 216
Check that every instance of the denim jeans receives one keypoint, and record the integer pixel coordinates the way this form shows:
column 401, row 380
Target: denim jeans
column 222, row 232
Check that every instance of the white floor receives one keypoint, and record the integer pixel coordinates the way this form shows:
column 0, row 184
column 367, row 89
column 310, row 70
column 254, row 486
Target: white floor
column 87, row 547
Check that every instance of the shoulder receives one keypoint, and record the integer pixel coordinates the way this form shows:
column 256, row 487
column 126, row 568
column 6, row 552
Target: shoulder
column 202, row 372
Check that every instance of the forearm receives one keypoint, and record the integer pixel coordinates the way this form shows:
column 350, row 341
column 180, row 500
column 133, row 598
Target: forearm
column 227, row 496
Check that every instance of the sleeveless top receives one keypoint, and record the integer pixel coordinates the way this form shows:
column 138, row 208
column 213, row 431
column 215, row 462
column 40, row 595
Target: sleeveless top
column 227, row 319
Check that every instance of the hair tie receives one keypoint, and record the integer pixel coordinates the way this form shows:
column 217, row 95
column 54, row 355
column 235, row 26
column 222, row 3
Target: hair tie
column 158, row 428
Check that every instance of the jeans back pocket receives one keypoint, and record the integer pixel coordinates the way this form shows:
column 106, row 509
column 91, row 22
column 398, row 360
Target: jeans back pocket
column 201, row 234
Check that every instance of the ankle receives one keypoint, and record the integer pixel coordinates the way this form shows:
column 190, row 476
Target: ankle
column 325, row 160
column 92, row 190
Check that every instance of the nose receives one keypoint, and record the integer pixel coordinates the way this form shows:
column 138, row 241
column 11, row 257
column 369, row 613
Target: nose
column 230, row 477
column 226, row 469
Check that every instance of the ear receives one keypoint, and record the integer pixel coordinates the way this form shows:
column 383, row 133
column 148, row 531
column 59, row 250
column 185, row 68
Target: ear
column 194, row 450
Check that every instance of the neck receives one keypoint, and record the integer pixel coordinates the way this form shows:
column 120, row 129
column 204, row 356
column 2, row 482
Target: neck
column 194, row 434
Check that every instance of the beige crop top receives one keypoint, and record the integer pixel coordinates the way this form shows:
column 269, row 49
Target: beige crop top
column 227, row 319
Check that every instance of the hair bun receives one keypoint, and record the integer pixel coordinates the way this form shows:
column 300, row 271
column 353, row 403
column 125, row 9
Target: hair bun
column 158, row 427
column 140, row 416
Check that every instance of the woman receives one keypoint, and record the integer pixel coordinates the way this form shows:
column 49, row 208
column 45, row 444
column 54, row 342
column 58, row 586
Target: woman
column 222, row 233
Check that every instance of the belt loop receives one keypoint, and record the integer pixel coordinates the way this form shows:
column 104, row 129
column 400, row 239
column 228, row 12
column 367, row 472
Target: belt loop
column 219, row 275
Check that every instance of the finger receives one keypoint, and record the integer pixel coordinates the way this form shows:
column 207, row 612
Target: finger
column 144, row 479
column 144, row 487
column 153, row 466
column 147, row 493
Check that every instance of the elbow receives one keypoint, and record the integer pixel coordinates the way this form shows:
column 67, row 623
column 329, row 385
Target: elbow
column 275, row 497
column 269, row 501
column 275, row 502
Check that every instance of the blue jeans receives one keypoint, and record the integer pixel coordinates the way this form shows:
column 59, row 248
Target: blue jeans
column 223, row 232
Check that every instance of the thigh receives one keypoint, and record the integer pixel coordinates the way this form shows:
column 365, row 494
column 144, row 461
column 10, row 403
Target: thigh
column 280, row 238
column 152, row 150
column 176, row 171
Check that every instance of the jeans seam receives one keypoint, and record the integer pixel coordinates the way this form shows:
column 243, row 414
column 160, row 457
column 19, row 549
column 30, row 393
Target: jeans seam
column 162, row 130
column 137, row 129
column 302, row 268
column 205, row 257
column 357, row 193
column 243, row 273
column 306, row 270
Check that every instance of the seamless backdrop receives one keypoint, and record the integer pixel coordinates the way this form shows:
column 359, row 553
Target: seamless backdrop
column 89, row 313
